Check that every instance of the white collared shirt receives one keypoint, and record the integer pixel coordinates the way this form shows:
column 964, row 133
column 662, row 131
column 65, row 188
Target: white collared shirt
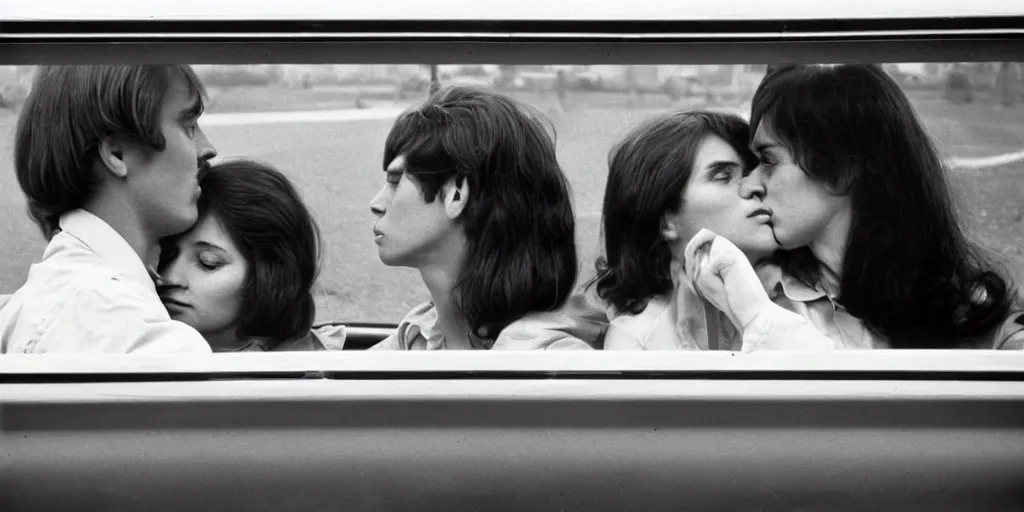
column 539, row 330
column 681, row 321
column 91, row 294
column 818, row 305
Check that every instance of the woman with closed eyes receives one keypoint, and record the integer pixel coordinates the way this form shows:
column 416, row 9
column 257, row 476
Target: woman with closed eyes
column 680, row 243
column 243, row 275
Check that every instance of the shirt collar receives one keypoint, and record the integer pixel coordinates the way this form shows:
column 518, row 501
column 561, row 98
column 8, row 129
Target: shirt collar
column 429, row 326
column 430, row 329
column 776, row 282
column 108, row 244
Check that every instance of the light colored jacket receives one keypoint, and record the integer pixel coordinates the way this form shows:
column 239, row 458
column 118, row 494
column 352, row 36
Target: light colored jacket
column 318, row 339
column 91, row 294
column 421, row 330
column 683, row 320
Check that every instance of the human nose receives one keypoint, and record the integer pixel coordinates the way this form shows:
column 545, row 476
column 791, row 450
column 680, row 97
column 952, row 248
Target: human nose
column 752, row 186
column 378, row 205
column 174, row 275
column 204, row 148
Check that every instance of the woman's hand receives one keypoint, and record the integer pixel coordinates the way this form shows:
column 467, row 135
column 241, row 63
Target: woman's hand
column 723, row 276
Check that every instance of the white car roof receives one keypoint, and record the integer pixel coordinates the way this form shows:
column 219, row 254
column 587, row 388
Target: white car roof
column 528, row 10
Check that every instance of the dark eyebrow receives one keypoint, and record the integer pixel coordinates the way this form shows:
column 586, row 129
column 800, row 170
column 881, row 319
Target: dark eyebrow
column 193, row 110
column 722, row 165
column 767, row 145
column 207, row 245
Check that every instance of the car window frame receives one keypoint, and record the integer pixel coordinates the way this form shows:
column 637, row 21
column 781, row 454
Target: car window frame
column 105, row 38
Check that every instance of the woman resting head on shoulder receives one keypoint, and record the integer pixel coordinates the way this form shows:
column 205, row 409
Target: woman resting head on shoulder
column 474, row 199
column 862, row 203
column 670, row 180
column 243, row 275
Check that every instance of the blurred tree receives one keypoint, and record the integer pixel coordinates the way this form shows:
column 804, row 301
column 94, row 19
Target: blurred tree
column 506, row 76
column 633, row 86
column 561, row 86
column 958, row 85
column 1006, row 84
column 435, row 82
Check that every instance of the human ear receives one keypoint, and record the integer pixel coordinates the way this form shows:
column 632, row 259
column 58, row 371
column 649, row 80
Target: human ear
column 456, row 197
column 111, row 156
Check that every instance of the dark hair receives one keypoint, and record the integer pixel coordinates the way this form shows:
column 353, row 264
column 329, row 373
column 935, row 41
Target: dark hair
column 909, row 272
column 519, row 223
column 66, row 115
column 647, row 174
column 266, row 218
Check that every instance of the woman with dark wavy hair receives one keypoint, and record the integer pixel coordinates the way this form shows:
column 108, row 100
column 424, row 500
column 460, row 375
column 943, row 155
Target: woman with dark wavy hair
column 243, row 275
column 475, row 200
column 862, row 203
column 672, row 214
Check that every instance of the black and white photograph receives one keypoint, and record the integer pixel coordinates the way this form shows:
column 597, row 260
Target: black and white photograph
column 740, row 257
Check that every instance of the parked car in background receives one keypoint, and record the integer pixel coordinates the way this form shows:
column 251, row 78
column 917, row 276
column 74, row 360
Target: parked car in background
column 677, row 87
column 958, row 87
column 12, row 95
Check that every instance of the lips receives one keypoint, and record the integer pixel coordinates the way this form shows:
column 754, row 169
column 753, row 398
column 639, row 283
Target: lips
column 760, row 211
column 176, row 303
column 204, row 168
